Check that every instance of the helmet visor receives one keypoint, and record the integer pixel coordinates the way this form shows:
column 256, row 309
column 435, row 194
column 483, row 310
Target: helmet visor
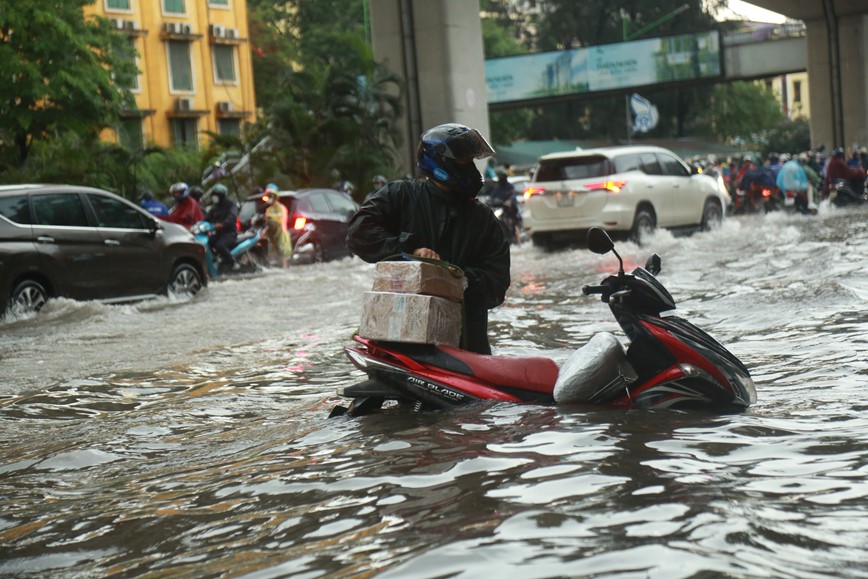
column 468, row 145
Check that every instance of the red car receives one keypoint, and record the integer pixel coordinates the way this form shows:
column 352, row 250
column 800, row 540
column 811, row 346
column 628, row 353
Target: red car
column 318, row 220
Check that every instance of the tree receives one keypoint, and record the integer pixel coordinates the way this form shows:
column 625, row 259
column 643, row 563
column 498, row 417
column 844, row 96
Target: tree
column 742, row 111
column 61, row 73
column 500, row 38
column 331, row 110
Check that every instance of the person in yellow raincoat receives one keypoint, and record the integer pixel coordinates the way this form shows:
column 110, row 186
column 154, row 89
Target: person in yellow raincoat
column 277, row 226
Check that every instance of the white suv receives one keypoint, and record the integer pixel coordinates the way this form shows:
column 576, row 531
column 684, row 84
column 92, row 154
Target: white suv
column 625, row 190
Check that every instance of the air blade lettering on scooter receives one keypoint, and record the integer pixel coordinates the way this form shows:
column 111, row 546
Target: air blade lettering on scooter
column 436, row 389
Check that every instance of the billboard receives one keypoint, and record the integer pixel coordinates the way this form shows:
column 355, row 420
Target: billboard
column 606, row 67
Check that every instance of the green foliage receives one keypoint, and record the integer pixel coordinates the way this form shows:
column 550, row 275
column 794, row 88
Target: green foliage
column 330, row 109
column 499, row 39
column 61, row 74
column 85, row 160
column 742, row 111
column 788, row 137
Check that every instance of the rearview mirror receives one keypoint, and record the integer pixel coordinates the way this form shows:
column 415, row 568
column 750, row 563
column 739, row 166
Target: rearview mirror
column 154, row 226
column 654, row 264
column 599, row 241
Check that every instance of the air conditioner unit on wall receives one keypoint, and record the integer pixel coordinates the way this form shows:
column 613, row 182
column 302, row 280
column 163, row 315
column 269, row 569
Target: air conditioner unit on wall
column 232, row 33
column 116, row 23
column 131, row 25
column 186, row 29
column 171, row 27
column 224, row 106
column 184, row 104
column 218, row 31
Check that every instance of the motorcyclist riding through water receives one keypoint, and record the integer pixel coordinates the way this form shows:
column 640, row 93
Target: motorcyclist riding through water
column 223, row 214
column 186, row 210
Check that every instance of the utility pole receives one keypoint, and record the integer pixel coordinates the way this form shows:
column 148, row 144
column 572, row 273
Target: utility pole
column 625, row 33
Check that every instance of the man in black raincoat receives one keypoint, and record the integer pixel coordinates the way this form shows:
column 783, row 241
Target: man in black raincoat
column 440, row 218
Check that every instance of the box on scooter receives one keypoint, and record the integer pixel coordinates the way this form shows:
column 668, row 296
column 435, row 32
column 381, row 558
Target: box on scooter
column 412, row 318
column 417, row 277
column 414, row 302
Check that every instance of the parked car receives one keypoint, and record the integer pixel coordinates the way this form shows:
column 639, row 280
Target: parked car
column 88, row 244
column 318, row 220
column 624, row 190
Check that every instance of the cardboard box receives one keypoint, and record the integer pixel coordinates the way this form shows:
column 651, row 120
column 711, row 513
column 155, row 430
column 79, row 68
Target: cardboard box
column 416, row 277
column 414, row 318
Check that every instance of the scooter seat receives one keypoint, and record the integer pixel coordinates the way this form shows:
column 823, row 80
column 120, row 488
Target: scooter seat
column 534, row 373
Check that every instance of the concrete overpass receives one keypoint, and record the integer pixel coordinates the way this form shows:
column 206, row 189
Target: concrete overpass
column 837, row 53
column 436, row 47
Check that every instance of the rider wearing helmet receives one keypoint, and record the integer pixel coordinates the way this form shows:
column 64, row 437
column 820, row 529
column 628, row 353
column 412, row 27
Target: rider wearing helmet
column 152, row 205
column 837, row 169
column 440, row 218
column 378, row 182
column 186, row 210
column 224, row 215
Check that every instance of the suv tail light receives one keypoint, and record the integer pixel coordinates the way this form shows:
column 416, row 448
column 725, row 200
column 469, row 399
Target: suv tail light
column 298, row 221
column 610, row 186
column 531, row 191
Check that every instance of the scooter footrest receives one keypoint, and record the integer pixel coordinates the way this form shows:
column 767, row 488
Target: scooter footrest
column 368, row 388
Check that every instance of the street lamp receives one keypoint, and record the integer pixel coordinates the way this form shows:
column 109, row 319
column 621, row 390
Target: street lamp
column 628, row 37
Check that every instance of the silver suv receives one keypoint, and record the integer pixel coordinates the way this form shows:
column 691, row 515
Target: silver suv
column 625, row 190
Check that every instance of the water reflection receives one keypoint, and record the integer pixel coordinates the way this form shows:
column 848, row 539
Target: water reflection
column 225, row 463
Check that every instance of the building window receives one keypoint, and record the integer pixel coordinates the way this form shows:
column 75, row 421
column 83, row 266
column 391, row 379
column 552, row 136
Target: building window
column 797, row 91
column 130, row 134
column 174, row 6
column 133, row 57
column 180, row 69
column 223, row 3
column 118, row 4
column 184, row 132
column 224, row 63
column 230, row 127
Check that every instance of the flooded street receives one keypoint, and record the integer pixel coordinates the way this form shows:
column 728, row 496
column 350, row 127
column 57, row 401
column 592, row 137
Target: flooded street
column 191, row 439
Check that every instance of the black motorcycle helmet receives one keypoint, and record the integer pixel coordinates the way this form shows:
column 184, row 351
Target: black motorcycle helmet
column 219, row 190
column 196, row 192
column 446, row 154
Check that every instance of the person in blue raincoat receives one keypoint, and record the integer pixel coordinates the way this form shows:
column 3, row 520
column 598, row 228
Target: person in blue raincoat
column 151, row 205
column 792, row 182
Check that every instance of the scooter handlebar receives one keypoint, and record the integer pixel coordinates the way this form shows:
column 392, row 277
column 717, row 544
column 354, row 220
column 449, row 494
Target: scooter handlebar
column 594, row 289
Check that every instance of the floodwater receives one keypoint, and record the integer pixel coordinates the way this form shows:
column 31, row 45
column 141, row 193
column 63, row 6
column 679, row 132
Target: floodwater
column 191, row 439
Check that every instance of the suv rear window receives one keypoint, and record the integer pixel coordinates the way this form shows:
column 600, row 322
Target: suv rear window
column 584, row 167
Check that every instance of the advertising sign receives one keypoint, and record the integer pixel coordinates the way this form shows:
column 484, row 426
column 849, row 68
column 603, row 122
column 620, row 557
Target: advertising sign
column 606, row 67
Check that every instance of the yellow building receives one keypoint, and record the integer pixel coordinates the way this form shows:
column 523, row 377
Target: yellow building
column 792, row 93
column 195, row 69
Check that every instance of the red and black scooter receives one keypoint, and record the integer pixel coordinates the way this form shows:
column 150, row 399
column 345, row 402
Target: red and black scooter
column 669, row 362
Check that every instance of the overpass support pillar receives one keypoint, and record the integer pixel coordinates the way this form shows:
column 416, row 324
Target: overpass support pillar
column 838, row 79
column 436, row 48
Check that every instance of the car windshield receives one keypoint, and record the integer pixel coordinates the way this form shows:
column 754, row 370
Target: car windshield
column 584, row 167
